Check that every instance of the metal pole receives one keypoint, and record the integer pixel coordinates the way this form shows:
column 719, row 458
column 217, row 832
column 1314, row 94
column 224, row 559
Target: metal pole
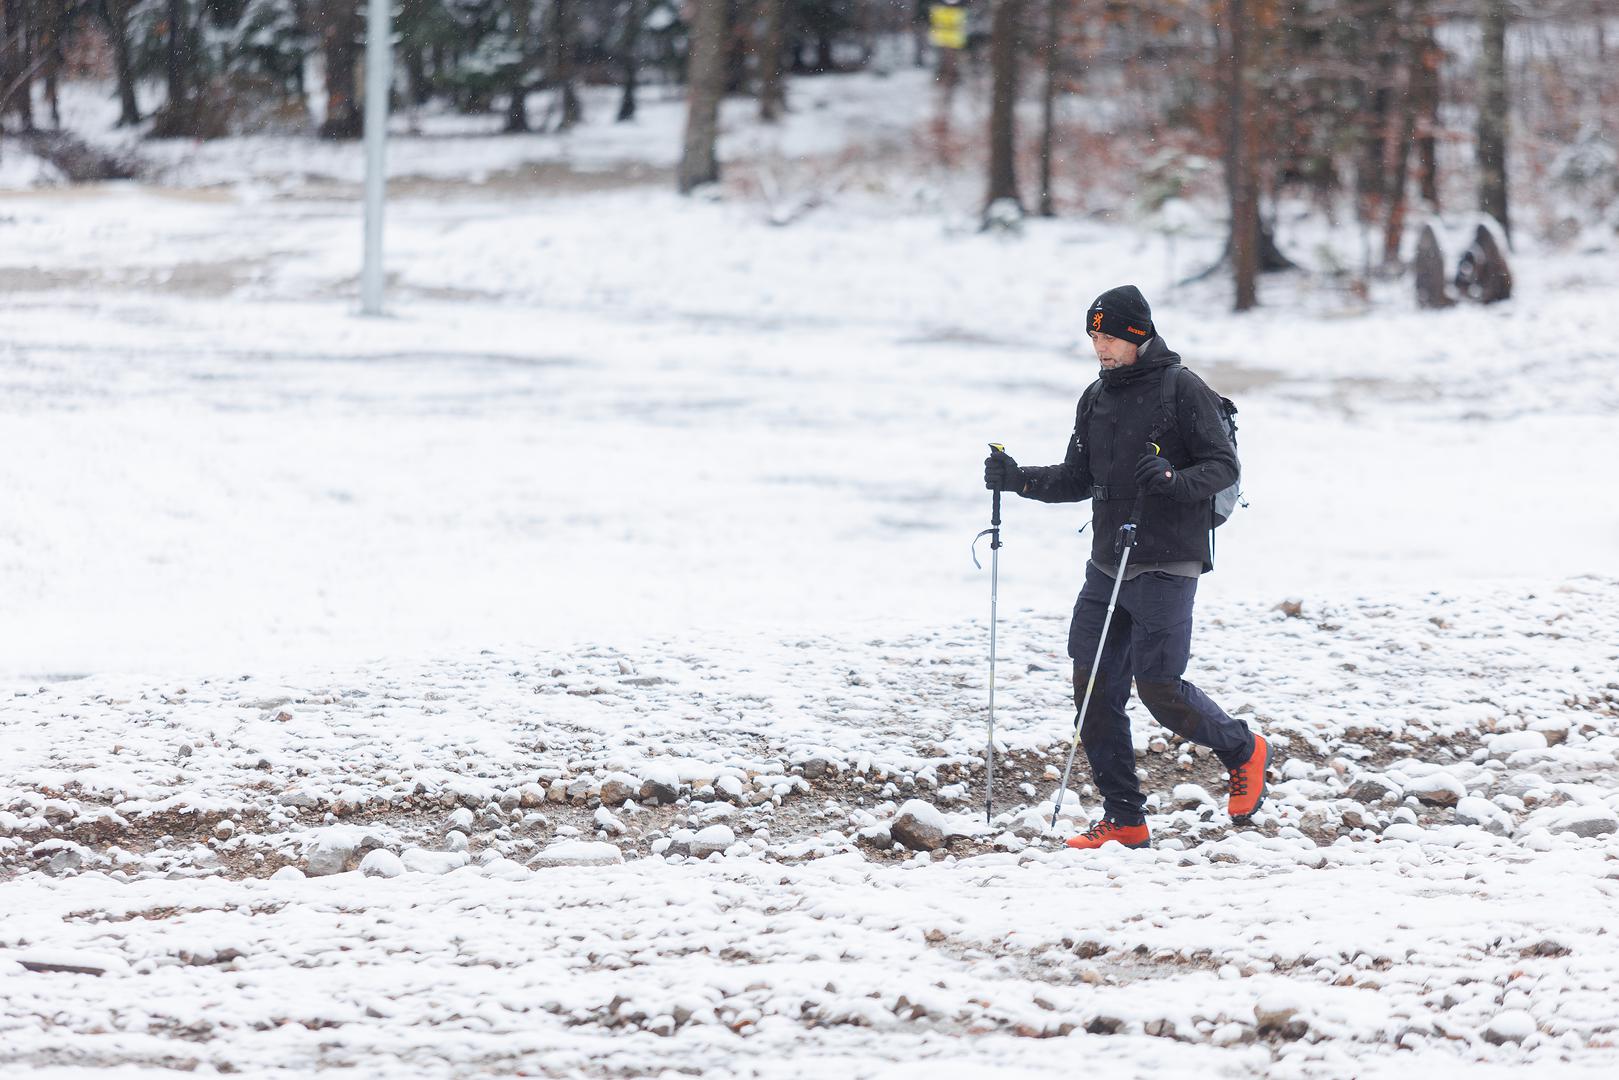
column 1090, row 683
column 378, row 77
column 994, row 595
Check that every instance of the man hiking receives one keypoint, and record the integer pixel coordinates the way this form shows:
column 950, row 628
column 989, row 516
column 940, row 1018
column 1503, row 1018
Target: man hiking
column 1127, row 442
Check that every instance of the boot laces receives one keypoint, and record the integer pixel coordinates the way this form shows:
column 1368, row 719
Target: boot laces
column 1239, row 781
column 1100, row 829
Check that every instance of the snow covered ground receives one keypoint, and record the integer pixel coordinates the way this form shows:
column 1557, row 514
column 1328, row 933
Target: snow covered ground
column 536, row 680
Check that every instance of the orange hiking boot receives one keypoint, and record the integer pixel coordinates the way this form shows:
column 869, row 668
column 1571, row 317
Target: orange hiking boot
column 1248, row 781
column 1109, row 832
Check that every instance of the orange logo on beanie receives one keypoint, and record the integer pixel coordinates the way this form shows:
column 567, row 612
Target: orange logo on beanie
column 1096, row 321
column 1133, row 330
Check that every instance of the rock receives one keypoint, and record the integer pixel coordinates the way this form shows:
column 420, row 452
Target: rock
column 64, row 862
column 1482, row 275
column 714, row 838
column 1509, row 742
column 875, row 836
column 1509, row 1026
column 530, row 795
column 1272, row 1013
column 224, row 830
column 607, row 822
column 1189, row 797
column 381, row 863
column 919, row 826
column 1370, row 789
column 301, row 800
column 456, row 840
column 1437, row 789
column 332, row 853
column 1554, row 731
column 1583, row 821
column 618, row 788
column 1485, row 815
column 1353, row 819
column 506, row 870
column 659, row 786
column 815, row 768
column 461, row 819
column 1161, row 1028
column 421, row 861
column 729, row 788
column 68, row 962
column 557, row 792
column 1432, row 290
column 287, row 873
column 577, row 853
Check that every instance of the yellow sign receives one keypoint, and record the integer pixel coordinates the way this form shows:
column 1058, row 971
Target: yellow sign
column 948, row 26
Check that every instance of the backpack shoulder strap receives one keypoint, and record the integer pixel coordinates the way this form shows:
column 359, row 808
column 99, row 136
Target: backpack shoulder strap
column 1087, row 401
column 1168, row 392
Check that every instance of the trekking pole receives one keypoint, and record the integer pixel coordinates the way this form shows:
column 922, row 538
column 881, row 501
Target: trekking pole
column 1126, row 542
column 994, row 534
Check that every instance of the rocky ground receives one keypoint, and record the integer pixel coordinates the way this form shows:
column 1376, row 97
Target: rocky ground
column 828, row 826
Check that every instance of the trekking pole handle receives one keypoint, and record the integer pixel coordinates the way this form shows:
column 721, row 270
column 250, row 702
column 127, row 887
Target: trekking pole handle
column 995, row 505
column 1128, row 531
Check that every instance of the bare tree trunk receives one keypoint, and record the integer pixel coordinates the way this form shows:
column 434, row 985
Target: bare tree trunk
column 739, row 45
column 1397, row 159
column 1376, row 72
column 56, row 22
column 1492, row 114
column 517, row 92
column 559, row 67
column 1242, row 178
column 176, row 54
column 17, row 63
column 115, row 16
column 1003, row 103
column 415, row 73
column 947, row 79
column 705, row 82
column 629, row 61
column 1425, row 93
column 340, row 38
column 772, row 90
column 1048, row 106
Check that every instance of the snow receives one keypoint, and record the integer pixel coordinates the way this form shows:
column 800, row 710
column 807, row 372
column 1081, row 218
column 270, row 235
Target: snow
column 578, row 853
column 628, row 488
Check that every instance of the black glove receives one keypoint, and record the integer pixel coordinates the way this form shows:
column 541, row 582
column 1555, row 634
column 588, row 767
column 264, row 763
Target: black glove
column 1001, row 473
column 1156, row 476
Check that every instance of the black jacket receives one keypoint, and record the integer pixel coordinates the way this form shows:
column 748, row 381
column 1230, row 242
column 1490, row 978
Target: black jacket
column 1126, row 411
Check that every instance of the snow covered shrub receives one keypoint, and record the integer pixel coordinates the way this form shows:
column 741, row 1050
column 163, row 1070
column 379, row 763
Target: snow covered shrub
column 1588, row 169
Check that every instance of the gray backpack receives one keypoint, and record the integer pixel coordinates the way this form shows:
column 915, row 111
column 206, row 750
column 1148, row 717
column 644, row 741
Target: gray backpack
column 1226, row 500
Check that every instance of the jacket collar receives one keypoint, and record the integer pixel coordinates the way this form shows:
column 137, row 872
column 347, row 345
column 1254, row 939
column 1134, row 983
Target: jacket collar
column 1151, row 359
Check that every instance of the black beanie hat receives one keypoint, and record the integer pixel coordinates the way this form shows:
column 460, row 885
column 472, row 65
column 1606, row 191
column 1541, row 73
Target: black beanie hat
column 1122, row 313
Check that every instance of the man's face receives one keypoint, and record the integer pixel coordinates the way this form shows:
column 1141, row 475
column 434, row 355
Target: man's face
column 1111, row 351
